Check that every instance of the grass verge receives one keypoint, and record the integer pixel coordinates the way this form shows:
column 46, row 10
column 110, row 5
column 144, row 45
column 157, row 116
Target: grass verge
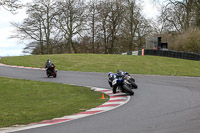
column 24, row 102
column 151, row 65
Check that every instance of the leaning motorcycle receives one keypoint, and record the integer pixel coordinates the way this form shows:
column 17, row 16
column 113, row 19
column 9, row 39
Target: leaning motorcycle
column 123, row 85
column 131, row 80
column 51, row 71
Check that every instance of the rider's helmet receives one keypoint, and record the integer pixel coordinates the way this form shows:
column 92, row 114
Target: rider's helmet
column 126, row 73
column 48, row 63
column 48, row 60
column 110, row 74
column 120, row 73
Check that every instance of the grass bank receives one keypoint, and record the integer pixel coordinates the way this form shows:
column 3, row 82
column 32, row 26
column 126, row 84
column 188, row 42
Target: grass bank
column 151, row 65
column 24, row 102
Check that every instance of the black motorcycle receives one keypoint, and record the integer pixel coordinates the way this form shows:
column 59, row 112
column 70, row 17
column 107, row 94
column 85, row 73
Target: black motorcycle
column 123, row 85
column 50, row 71
column 131, row 80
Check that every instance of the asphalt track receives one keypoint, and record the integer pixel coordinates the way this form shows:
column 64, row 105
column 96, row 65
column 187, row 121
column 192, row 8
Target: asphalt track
column 162, row 104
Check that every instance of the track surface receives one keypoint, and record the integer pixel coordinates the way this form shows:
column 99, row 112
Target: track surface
column 162, row 104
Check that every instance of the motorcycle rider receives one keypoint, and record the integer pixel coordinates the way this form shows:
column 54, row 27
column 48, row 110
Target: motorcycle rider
column 120, row 72
column 113, row 77
column 48, row 65
column 131, row 79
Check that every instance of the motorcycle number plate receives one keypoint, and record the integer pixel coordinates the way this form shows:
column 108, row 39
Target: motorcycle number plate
column 114, row 82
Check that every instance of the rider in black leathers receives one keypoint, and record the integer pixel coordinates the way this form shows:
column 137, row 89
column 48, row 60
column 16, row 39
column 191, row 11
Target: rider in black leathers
column 48, row 64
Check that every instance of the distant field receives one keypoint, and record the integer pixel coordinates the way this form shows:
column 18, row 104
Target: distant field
column 24, row 102
column 151, row 65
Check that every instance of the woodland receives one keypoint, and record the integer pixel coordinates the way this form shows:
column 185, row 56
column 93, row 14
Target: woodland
column 104, row 26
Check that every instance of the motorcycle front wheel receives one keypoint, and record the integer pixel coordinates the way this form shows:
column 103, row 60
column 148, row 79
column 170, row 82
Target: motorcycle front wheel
column 54, row 74
column 133, row 84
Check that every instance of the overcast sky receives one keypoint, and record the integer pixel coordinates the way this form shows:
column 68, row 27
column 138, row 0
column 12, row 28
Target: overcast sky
column 13, row 47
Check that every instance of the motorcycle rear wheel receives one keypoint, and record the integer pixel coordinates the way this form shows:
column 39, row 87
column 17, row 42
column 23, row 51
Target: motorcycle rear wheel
column 128, row 90
column 54, row 75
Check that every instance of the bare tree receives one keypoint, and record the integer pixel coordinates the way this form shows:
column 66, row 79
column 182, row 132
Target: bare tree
column 103, row 34
column 92, row 22
column 178, row 15
column 48, row 11
column 10, row 5
column 131, row 22
column 197, row 12
column 134, row 27
column 31, row 28
column 71, row 20
column 115, row 21
column 110, row 18
column 39, row 25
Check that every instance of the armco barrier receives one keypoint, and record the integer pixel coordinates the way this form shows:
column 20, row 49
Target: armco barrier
column 172, row 53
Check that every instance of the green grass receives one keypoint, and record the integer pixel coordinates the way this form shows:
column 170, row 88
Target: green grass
column 24, row 102
column 151, row 65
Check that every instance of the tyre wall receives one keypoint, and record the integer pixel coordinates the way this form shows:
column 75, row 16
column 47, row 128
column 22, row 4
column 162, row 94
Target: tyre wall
column 166, row 53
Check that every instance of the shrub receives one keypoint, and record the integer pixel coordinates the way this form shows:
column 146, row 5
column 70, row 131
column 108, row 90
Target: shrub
column 188, row 41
